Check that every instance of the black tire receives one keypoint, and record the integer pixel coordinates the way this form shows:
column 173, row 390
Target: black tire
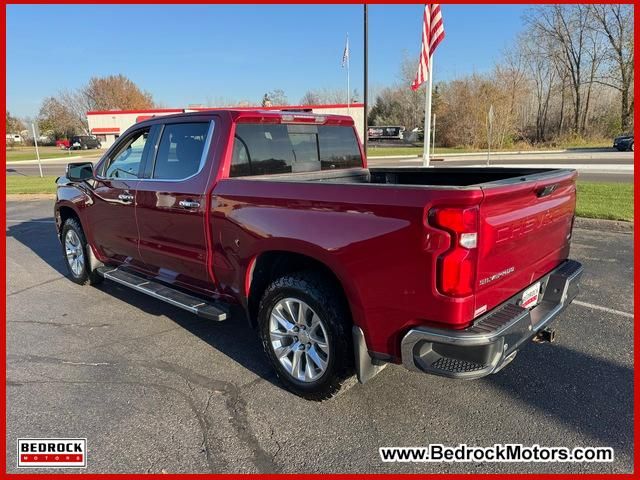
column 327, row 302
column 85, row 276
column 631, row 147
column 85, row 147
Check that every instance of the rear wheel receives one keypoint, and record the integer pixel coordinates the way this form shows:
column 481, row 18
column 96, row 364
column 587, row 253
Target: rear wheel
column 305, row 329
column 631, row 147
column 74, row 248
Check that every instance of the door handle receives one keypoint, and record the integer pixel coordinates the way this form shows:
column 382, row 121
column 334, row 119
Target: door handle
column 126, row 197
column 190, row 204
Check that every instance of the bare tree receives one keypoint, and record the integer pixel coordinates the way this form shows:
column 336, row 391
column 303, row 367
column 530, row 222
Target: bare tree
column 615, row 22
column 595, row 54
column 113, row 92
column 78, row 105
column 278, row 97
column 568, row 26
column 541, row 70
column 57, row 120
column 323, row 96
column 13, row 124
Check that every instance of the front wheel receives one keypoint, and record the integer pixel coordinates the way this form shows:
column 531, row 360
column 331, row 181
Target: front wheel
column 74, row 248
column 305, row 329
column 631, row 147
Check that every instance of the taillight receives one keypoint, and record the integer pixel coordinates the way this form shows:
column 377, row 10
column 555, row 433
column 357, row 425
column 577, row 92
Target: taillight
column 456, row 268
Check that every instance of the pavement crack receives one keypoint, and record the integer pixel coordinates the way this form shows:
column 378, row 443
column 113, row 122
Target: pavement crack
column 202, row 422
column 236, row 405
column 10, row 294
column 90, row 326
column 234, row 402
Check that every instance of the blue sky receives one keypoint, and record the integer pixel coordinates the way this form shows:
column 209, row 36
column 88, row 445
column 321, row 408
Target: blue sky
column 186, row 54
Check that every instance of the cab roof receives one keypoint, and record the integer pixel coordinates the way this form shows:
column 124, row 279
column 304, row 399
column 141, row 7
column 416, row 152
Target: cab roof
column 241, row 115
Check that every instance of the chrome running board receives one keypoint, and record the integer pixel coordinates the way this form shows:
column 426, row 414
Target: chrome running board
column 200, row 307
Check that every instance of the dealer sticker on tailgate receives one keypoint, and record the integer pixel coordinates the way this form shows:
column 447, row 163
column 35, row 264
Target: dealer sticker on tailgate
column 530, row 296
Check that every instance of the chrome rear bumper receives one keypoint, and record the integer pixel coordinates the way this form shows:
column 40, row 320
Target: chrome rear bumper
column 493, row 340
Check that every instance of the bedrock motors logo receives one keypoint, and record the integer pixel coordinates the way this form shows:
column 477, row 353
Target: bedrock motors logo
column 52, row 452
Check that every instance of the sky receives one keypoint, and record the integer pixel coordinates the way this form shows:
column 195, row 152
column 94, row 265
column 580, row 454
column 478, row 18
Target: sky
column 208, row 54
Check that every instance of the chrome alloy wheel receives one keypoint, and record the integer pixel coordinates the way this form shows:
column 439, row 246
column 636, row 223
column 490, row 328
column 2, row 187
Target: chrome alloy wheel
column 74, row 251
column 299, row 339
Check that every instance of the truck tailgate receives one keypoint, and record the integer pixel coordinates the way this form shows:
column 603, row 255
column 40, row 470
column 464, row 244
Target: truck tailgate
column 525, row 231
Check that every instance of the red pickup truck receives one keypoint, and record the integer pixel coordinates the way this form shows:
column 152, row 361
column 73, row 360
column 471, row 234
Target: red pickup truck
column 275, row 217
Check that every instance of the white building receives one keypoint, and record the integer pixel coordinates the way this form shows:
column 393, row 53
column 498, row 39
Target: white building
column 108, row 125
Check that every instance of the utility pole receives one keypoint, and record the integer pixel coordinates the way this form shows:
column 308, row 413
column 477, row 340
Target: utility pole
column 427, row 115
column 35, row 142
column 489, row 132
column 433, row 137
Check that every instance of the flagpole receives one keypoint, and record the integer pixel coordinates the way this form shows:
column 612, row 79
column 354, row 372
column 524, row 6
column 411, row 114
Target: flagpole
column 348, row 80
column 366, row 78
column 427, row 115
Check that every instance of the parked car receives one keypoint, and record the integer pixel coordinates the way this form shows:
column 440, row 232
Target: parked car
column 84, row 142
column 274, row 217
column 63, row 143
column 623, row 143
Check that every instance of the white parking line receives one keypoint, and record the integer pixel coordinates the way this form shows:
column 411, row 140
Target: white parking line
column 604, row 309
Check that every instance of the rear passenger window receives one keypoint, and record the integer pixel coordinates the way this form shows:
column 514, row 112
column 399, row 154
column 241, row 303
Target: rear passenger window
column 180, row 153
column 267, row 149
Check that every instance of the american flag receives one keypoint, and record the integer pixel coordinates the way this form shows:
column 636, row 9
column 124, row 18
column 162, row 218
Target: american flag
column 432, row 35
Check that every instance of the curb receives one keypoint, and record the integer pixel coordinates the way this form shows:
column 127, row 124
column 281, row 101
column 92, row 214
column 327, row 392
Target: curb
column 469, row 154
column 51, row 160
column 614, row 226
column 12, row 197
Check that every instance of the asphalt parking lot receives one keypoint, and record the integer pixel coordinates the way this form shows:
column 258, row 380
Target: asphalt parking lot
column 155, row 389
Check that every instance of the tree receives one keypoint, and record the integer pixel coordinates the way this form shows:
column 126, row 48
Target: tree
column 541, row 71
column 615, row 22
column 324, row 96
column 278, row 97
column 13, row 124
column 399, row 104
column 57, row 120
column 568, row 26
column 310, row 98
column 115, row 92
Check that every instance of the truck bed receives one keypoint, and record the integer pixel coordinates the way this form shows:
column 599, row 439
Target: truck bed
column 378, row 217
column 447, row 177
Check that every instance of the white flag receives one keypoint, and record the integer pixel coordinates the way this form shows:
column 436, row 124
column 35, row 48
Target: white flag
column 345, row 55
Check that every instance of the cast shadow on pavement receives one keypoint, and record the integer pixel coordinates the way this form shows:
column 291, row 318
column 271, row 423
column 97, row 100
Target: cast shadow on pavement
column 587, row 393
column 40, row 236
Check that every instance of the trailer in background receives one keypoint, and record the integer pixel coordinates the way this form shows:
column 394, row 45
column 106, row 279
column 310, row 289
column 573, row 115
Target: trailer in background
column 391, row 132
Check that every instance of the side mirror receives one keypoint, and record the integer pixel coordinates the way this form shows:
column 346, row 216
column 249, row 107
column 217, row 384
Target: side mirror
column 79, row 172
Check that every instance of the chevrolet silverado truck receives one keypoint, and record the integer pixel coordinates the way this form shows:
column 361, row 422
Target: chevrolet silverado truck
column 272, row 217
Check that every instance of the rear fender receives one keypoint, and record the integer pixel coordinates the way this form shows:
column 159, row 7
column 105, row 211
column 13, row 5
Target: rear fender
column 315, row 253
